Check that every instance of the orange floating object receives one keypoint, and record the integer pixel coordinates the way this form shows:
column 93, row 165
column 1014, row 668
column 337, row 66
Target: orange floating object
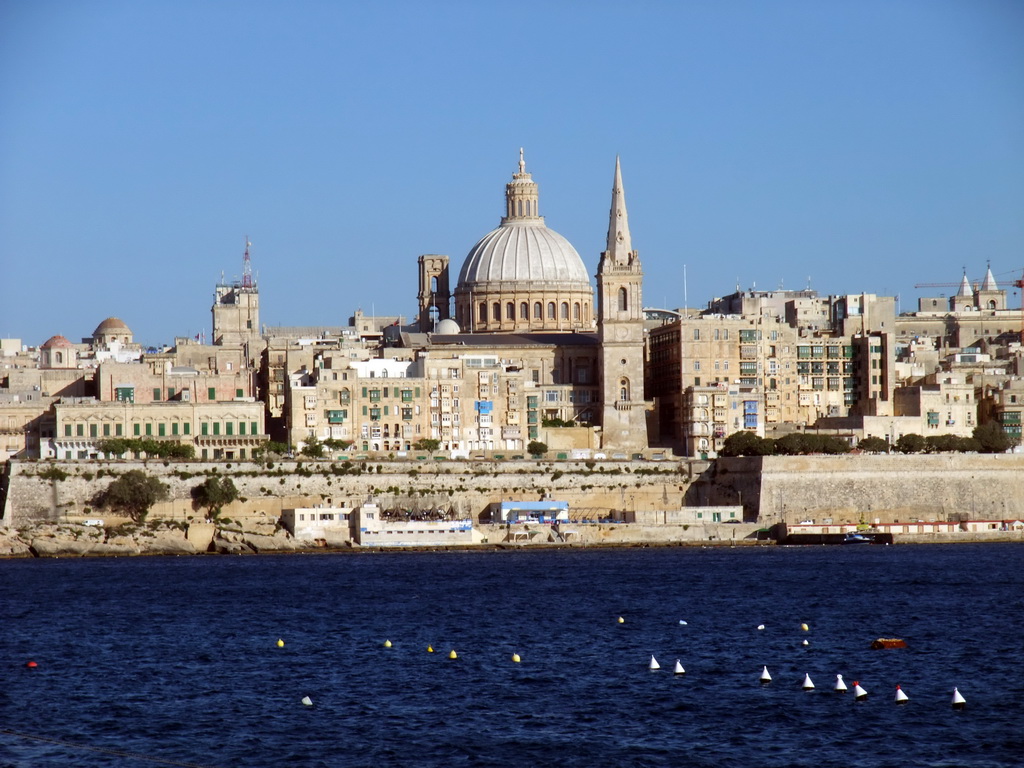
column 31, row 664
column 889, row 642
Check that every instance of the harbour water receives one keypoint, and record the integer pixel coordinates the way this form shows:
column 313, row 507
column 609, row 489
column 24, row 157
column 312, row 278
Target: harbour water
column 175, row 661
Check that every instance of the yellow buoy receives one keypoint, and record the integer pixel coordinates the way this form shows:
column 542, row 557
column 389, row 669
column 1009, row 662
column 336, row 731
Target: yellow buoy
column 280, row 643
column 430, row 649
column 804, row 627
column 453, row 654
column 387, row 643
column 621, row 620
column 515, row 658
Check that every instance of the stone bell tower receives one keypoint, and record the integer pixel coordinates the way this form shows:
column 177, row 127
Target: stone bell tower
column 620, row 329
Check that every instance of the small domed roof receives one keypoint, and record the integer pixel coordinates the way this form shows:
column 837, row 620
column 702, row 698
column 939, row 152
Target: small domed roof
column 111, row 325
column 55, row 342
column 447, row 327
column 523, row 252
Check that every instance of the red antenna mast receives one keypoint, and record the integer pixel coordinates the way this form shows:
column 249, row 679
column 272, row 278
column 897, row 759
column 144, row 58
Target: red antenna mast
column 246, row 266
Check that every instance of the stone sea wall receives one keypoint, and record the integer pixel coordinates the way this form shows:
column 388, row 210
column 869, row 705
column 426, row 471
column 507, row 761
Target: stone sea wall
column 869, row 488
column 597, row 491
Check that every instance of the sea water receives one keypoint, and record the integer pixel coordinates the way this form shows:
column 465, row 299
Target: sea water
column 176, row 661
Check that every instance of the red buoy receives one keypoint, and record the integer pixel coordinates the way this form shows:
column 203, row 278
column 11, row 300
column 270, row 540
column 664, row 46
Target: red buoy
column 31, row 664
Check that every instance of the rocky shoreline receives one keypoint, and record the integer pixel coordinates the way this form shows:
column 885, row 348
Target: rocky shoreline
column 74, row 540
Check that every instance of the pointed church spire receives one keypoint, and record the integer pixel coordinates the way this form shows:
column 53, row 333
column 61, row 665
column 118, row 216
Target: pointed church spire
column 620, row 248
column 965, row 287
column 989, row 284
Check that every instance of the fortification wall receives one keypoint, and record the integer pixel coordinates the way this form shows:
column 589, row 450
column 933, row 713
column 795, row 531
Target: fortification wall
column 469, row 486
column 886, row 488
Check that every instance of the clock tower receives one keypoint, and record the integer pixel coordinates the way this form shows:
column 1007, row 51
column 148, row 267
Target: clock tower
column 620, row 329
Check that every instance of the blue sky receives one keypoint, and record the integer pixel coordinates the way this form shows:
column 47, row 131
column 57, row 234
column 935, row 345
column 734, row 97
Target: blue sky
column 865, row 146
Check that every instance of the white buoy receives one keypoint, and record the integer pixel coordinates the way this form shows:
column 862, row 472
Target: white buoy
column 760, row 626
column 683, row 623
column 307, row 701
column 959, row 702
column 805, row 642
column 679, row 668
column 840, row 685
column 901, row 697
column 654, row 664
column 808, row 685
column 765, row 677
column 621, row 620
column 859, row 693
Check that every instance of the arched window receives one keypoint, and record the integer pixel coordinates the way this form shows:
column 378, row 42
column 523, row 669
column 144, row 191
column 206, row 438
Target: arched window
column 433, row 284
column 551, row 310
column 524, row 311
column 483, row 312
column 586, row 312
column 576, row 311
column 520, row 207
column 527, row 207
column 565, row 310
column 537, row 312
column 623, row 300
column 624, row 390
column 496, row 313
column 991, row 305
column 58, row 357
column 510, row 311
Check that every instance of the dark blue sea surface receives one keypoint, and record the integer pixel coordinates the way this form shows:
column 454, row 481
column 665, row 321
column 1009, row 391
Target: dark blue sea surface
column 174, row 661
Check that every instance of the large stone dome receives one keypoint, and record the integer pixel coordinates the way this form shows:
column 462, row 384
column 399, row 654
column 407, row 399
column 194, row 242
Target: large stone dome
column 523, row 276
column 523, row 251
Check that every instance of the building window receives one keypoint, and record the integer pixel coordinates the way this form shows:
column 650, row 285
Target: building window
column 156, row 393
column 576, row 311
column 623, row 300
column 696, row 334
column 537, row 312
column 624, row 390
column 524, row 311
column 67, row 430
column 551, row 310
column 496, row 310
column 238, row 393
column 483, row 312
column 160, row 430
column 510, row 311
column 565, row 310
column 174, row 428
column 80, row 430
column 211, row 394
column 106, row 430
